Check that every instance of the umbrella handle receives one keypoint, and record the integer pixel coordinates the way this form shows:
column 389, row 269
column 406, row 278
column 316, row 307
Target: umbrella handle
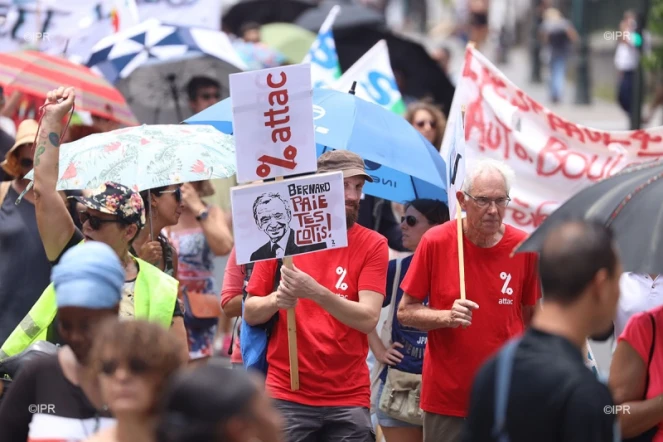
column 149, row 201
column 176, row 97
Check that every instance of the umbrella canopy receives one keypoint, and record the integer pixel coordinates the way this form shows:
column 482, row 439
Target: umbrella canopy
column 151, row 63
column 352, row 15
column 145, row 157
column 263, row 12
column 628, row 202
column 423, row 76
column 36, row 73
column 291, row 40
column 404, row 165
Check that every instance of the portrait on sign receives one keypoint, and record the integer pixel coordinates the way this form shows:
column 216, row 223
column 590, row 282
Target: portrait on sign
column 289, row 217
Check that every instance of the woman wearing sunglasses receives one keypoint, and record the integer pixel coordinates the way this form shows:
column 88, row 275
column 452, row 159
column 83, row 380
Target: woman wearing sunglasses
column 428, row 120
column 201, row 234
column 164, row 210
column 400, row 350
column 133, row 361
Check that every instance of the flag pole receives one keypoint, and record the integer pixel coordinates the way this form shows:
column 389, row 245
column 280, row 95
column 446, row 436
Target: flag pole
column 459, row 228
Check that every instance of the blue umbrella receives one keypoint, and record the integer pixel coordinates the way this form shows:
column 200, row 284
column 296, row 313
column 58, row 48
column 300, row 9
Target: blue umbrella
column 403, row 164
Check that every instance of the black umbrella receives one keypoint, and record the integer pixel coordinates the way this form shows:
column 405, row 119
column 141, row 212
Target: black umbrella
column 631, row 203
column 352, row 15
column 263, row 12
column 423, row 76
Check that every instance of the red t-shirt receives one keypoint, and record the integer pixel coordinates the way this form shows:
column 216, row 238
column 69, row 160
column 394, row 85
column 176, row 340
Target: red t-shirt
column 498, row 283
column 233, row 283
column 638, row 333
column 332, row 356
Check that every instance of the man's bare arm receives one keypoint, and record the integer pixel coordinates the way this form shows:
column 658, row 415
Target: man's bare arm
column 53, row 220
column 259, row 309
column 412, row 313
column 363, row 315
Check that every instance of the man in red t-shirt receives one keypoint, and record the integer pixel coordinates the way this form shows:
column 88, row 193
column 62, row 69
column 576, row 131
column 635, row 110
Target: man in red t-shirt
column 501, row 292
column 337, row 295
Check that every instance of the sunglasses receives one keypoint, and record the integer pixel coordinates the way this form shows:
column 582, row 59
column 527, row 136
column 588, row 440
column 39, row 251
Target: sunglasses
column 207, row 96
column 95, row 222
column 410, row 220
column 177, row 193
column 26, row 163
column 421, row 124
column 134, row 365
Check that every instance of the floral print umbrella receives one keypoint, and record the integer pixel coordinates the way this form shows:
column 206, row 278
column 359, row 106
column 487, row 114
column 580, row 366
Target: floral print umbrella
column 145, row 157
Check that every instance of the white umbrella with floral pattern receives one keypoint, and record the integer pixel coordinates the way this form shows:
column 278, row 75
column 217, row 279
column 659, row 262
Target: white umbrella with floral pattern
column 145, row 157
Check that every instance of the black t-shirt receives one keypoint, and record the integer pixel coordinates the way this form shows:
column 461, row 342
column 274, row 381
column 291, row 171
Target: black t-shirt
column 41, row 403
column 553, row 396
column 24, row 268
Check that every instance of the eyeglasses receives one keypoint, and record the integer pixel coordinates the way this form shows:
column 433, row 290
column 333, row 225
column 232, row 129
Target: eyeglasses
column 422, row 123
column 26, row 163
column 410, row 220
column 94, row 221
column 485, row 202
column 208, row 96
column 177, row 193
column 134, row 365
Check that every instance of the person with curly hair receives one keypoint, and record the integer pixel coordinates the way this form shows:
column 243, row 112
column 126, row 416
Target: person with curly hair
column 428, row 120
column 133, row 361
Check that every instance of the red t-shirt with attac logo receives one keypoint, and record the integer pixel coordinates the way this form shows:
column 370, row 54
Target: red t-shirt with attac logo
column 332, row 356
column 498, row 283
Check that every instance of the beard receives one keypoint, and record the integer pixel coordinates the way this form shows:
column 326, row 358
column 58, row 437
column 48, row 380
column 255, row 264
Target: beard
column 351, row 213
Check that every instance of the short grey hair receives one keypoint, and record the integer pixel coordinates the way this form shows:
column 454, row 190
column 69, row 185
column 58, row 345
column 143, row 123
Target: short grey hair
column 488, row 165
column 266, row 198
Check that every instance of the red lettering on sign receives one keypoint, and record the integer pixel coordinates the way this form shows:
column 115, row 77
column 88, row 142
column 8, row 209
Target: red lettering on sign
column 314, row 222
column 524, row 215
column 556, row 158
column 277, row 120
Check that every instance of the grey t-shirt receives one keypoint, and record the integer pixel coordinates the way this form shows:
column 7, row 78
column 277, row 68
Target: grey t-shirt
column 24, row 269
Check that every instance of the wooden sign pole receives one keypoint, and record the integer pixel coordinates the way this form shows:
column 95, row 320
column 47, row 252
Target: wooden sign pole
column 459, row 227
column 292, row 333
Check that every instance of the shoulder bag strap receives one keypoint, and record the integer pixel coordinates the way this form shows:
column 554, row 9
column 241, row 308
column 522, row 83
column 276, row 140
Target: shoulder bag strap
column 651, row 350
column 386, row 328
column 502, row 385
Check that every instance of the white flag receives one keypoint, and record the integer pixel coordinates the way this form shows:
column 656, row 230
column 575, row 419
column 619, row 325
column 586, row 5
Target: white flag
column 375, row 79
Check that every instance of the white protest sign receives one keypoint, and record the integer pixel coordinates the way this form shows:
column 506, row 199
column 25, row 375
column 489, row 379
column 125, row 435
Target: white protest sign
column 289, row 217
column 375, row 79
column 273, row 122
column 453, row 152
column 553, row 158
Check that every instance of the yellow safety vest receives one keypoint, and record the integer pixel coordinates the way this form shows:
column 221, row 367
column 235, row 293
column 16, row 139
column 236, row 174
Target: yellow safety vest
column 155, row 295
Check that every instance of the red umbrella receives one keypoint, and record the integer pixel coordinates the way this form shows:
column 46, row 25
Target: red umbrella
column 36, row 73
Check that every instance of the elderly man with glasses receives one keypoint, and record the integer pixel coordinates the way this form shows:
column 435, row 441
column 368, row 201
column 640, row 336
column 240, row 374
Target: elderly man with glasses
column 501, row 292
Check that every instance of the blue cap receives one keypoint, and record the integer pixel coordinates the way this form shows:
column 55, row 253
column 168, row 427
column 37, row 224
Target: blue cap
column 89, row 276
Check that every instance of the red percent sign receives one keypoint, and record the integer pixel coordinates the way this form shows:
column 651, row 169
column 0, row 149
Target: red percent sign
column 277, row 120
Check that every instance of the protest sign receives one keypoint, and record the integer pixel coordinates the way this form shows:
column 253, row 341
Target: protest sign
column 375, row 79
column 553, row 158
column 290, row 217
column 273, row 122
column 325, row 67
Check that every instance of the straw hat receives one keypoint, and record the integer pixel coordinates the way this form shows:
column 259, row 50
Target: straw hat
column 26, row 134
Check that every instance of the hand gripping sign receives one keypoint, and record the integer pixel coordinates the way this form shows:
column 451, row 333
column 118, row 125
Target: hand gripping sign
column 274, row 137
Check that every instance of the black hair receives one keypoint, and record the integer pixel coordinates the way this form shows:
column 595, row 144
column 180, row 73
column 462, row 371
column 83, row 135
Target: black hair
column 145, row 195
column 435, row 211
column 198, row 402
column 572, row 254
column 249, row 26
column 200, row 82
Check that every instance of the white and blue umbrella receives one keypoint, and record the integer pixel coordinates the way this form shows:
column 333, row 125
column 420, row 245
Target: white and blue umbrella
column 151, row 64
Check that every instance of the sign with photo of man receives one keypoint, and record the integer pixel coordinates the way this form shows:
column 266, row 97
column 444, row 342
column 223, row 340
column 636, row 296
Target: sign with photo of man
column 292, row 217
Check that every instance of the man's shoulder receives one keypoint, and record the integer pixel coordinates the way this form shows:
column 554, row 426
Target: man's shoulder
column 514, row 233
column 442, row 233
column 359, row 236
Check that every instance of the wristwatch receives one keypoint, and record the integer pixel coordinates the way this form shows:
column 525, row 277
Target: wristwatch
column 203, row 214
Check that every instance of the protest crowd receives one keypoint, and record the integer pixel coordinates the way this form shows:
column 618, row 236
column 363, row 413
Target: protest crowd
column 206, row 236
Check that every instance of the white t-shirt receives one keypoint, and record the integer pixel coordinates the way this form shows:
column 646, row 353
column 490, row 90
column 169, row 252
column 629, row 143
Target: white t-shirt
column 638, row 293
column 627, row 57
